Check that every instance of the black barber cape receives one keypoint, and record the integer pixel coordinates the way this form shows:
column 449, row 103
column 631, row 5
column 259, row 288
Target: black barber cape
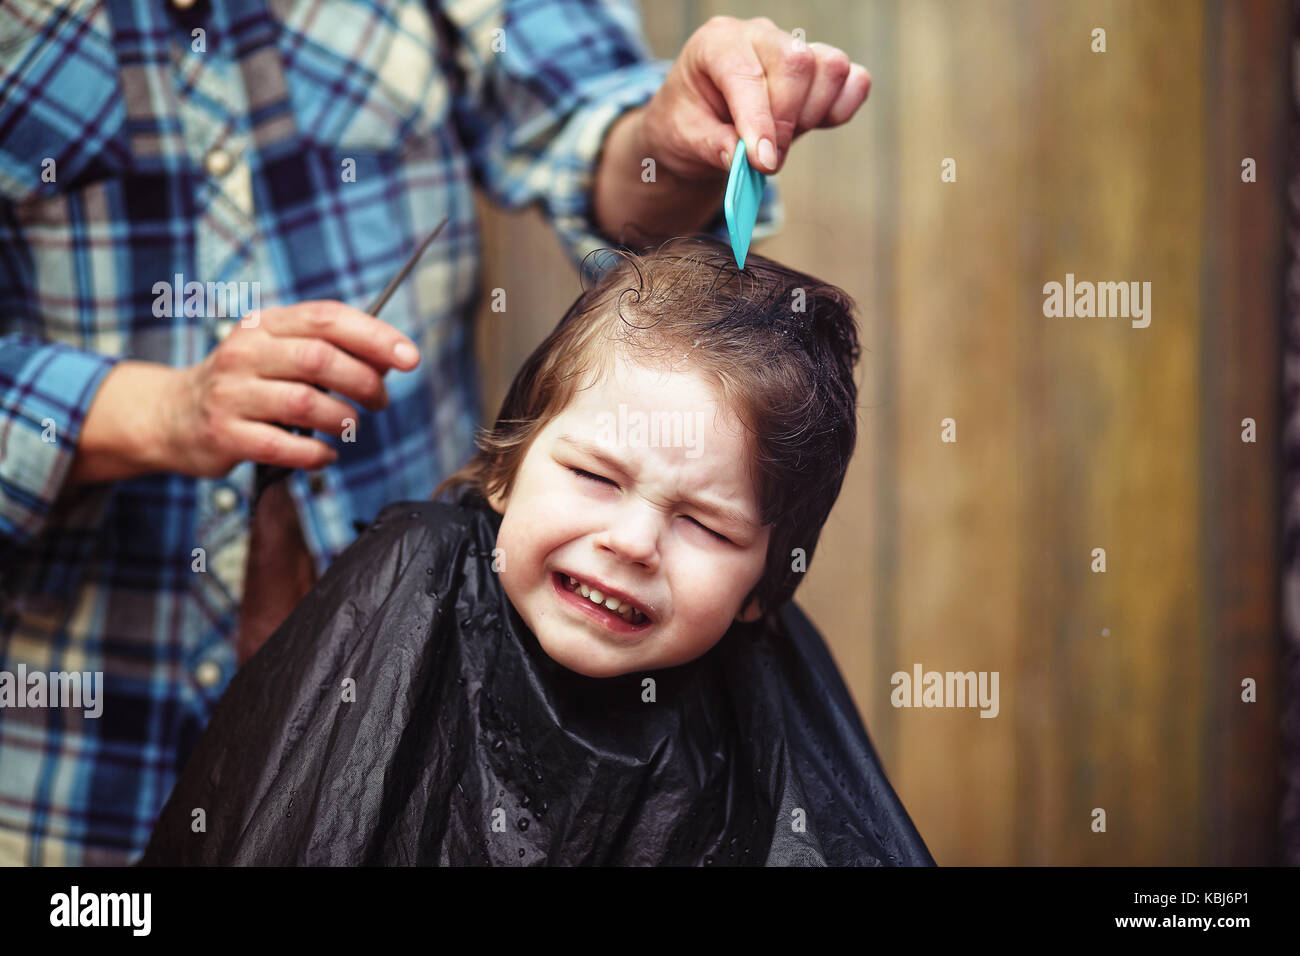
column 405, row 714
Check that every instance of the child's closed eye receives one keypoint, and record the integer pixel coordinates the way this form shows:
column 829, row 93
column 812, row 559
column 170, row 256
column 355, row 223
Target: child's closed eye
column 720, row 537
column 591, row 476
column 594, row 477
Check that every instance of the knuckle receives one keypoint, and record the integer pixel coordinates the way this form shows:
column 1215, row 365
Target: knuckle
column 799, row 60
column 740, row 67
column 300, row 401
column 220, row 392
column 313, row 357
column 837, row 64
column 227, row 357
column 319, row 315
column 264, row 447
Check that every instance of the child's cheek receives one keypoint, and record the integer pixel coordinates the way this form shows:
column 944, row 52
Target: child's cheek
column 501, row 563
column 515, row 559
column 699, row 598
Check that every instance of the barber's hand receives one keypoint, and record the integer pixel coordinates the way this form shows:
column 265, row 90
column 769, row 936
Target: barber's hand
column 222, row 410
column 751, row 78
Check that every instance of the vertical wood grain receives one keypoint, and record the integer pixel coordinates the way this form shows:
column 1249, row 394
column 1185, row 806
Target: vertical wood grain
column 959, row 295
column 1245, row 90
column 1112, row 432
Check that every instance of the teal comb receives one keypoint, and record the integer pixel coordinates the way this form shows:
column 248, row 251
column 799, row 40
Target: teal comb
column 740, row 203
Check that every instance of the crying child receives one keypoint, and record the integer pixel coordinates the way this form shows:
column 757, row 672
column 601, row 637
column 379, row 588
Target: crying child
column 589, row 655
column 666, row 459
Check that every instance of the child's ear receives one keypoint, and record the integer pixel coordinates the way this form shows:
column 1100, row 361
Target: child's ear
column 750, row 612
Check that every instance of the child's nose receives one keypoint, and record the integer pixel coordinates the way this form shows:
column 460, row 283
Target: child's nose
column 635, row 539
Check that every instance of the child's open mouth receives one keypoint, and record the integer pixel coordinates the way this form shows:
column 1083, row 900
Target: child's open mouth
column 610, row 611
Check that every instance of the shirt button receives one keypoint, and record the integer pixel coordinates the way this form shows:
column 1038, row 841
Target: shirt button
column 208, row 673
column 316, row 483
column 217, row 162
column 225, row 498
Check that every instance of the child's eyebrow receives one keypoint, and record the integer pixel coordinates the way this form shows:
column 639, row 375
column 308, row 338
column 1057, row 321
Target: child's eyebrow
column 723, row 512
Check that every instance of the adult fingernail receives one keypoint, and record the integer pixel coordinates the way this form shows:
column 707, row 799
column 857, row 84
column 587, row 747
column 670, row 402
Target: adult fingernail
column 767, row 153
column 726, row 160
column 405, row 353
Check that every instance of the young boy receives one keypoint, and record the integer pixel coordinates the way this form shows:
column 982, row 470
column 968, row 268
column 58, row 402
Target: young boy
column 591, row 657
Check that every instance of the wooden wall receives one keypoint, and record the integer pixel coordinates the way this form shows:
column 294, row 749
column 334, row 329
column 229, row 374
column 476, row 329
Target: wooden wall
column 1119, row 690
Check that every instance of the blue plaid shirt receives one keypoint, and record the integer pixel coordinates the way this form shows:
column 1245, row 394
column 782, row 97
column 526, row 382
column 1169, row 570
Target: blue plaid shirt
column 303, row 145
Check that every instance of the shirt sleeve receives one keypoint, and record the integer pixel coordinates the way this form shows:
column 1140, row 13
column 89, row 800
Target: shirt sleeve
column 541, row 84
column 45, row 391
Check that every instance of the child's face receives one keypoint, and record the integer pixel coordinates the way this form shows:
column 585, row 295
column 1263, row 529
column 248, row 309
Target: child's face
column 643, row 527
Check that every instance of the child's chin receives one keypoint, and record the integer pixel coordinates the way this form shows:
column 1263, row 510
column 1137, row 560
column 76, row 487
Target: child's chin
column 570, row 653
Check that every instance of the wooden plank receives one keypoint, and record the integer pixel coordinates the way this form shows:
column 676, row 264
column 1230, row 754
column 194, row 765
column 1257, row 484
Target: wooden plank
column 1245, row 90
column 1108, row 436
column 958, row 297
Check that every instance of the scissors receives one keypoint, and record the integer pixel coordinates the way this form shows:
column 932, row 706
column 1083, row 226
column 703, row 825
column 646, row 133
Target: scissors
column 268, row 475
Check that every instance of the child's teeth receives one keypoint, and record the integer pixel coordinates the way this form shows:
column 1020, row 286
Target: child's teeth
column 626, row 611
